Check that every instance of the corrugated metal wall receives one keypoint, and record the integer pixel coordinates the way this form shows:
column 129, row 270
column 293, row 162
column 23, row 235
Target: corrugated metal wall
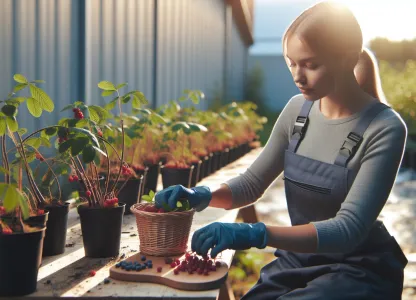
column 39, row 39
column 75, row 44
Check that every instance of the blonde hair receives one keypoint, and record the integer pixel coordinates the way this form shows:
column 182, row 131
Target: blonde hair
column 368, row 75
column 327, row 28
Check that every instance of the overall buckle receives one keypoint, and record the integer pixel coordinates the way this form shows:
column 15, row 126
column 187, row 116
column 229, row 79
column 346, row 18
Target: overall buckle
column 351, row 144
column 300, row 126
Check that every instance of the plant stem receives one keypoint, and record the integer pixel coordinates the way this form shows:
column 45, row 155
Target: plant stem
column 5, row 159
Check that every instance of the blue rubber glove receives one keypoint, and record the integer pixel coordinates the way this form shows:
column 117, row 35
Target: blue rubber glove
column 198, row 197
column 220, row 236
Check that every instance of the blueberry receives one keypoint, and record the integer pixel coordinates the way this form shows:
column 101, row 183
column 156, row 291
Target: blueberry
column 143, row 258
column 106, row 281
column 149, row 261
column 143, row 267
column 138, row 268
column 118, row 265
column 150, row 266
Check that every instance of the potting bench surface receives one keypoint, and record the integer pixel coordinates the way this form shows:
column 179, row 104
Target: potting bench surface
column 68, row 275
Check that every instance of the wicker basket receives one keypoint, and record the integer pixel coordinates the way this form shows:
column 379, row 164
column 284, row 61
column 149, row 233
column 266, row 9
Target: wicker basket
column 162, row 234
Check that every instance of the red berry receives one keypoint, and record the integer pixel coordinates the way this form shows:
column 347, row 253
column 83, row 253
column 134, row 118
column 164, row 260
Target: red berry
column 176, row 272
column 7, row 231
column 75, row 178
column 200, row 271
column 2, row 210
column 177, row 261
column 217, row 264
column 40, row 212
column 159, row 269
column 213, row 268
column 206, row 273
column 88, row 193
column 187, row 255
column 92, row 273
column 161, row 210
column 100, row 133
column 173, row 264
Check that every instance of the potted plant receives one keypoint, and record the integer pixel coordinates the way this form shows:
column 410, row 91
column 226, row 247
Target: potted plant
column 20, row 244
column 101, row 212
column 165, row 231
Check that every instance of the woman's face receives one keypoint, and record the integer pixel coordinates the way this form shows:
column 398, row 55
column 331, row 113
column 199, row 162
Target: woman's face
column 312, row 73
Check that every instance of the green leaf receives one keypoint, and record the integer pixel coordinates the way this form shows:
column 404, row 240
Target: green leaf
column 22, row 131
column 34, row 142
column 106, row 85
column 72, row 122
column 20, row 78
column 88, row 134
column 144, row 111
column 179, row 125
column 111, row 105
column 88, row 154
column 9, row 110
column 63, row 132
column 3, row 126
column 121, row 85
column 63, row 121
column 51, row 131
column 11, row 198
column 107, row 93
column 43, row 98
column 197, row 127
column 166, row 207
column 63, row 147
column 38, row 81
column 3, row 188
column 45, row 142
column 100, row 151
column 147, row 198
column 179, row 204
column 82, row 123
column 34, row 107
column 158, row 119
column 70, row 106
column 138, row 99
column 12, row 124
column 126, row 99
column 97, row 113
column 19, row 87
column 152, row 194
column 3, row 170
column 183, row 98
column 78, row 144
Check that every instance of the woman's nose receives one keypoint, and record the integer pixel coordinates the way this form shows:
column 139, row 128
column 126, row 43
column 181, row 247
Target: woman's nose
column 299, row 76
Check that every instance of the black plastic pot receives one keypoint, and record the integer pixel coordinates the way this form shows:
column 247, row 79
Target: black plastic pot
column 151, row 178
column 195, row 173
column 20, row 258
column 129, row 192
column 56, row 227
column 34, row 221
column 225, row 160
column 101, row 230
column 203, row 168
column 216, row 160
column 208, row 169
column 172, row 176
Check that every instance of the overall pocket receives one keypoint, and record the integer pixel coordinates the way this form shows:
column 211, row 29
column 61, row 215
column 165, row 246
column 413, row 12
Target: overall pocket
column 309, row 187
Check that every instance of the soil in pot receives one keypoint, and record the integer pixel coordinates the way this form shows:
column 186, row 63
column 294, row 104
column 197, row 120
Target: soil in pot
column 171, row 176
column 20, row 258
column 56, row 227
column 101, row 230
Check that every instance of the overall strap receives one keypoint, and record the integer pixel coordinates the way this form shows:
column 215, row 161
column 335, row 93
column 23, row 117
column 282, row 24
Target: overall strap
column 300, row 126
column 355, row 137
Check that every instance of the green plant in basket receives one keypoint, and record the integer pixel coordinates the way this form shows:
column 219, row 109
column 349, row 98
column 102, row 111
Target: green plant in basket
column 181, row 205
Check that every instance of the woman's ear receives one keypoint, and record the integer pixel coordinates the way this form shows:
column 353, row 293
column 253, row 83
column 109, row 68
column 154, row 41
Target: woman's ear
column 350, row 61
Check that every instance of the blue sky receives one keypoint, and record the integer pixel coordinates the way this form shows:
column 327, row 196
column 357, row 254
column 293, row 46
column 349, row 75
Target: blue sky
column 394, row 19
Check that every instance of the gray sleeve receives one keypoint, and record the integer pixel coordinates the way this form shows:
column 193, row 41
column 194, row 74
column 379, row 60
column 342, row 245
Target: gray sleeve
column 369, row 191
column 250, row 185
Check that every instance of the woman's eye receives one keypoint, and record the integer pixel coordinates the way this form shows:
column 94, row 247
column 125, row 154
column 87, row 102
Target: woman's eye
column 291, row 65
column 311, row 66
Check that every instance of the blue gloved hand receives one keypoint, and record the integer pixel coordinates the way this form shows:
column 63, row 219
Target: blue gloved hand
column 220, row 236
column 198, row 197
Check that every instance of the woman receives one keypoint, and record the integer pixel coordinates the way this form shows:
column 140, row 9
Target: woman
column 339, row 149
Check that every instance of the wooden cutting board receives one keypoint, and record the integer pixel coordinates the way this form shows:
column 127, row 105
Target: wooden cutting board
column 182, row 281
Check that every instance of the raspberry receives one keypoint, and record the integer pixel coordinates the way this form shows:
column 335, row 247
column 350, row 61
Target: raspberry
column 7, row 231
column 40, row 212
column 92, row 273
column 173, row 264
column 70, row 178
column 159, row 269
column 88, row 193
column 176, row 272
column 217, row 264
column 75, row 178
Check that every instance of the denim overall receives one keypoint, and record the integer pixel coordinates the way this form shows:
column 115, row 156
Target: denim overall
column 314, row 192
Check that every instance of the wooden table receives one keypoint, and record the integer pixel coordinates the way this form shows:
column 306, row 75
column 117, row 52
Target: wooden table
column 67, row 275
